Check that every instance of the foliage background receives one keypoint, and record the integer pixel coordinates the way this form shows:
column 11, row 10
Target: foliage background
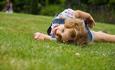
column 102, row 10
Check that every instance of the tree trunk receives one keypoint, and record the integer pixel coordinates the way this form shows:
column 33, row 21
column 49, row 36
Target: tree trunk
column 34, row 7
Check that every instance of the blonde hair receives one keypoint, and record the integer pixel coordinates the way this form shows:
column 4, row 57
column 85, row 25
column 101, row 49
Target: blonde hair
column 77, row 31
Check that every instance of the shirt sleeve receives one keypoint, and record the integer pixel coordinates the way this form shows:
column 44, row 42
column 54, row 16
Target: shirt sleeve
column 54, row 39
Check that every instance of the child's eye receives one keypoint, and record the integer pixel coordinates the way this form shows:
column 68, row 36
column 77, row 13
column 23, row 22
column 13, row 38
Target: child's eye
column 62, row 30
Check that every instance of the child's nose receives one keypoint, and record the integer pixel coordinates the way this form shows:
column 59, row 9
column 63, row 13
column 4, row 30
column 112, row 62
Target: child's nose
column 58, row 32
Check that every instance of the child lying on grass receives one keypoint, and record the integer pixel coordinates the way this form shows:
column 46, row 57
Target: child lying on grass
column 74, row 26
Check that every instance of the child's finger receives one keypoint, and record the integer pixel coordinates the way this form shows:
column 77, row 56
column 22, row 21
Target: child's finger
column 36, row 35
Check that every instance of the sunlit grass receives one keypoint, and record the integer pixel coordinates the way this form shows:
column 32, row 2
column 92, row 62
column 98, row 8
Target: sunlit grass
column 19, row 51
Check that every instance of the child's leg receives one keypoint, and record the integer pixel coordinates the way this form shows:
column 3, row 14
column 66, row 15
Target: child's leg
column 101, row 36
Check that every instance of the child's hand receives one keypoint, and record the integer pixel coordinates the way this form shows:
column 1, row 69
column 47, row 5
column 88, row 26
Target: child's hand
column 90, row 21
column 39, row 36
column 85, row 16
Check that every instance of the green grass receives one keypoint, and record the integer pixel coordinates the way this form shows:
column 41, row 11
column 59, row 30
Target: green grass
column 19, row 51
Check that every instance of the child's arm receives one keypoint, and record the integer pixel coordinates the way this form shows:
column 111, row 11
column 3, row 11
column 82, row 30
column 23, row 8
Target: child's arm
column 41, row 36
column 85, row 16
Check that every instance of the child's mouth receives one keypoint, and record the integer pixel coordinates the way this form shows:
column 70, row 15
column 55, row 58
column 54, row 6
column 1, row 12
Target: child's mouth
column 55, row 31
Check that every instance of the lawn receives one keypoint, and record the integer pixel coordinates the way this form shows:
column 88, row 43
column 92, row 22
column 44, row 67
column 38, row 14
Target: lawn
column 19, row 51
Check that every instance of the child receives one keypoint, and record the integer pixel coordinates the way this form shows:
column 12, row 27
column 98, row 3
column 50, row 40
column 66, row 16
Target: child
column 59, row 21
column 78, row 32
column 73, row 26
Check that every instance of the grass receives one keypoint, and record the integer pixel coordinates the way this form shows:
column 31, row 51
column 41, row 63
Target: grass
column 19, row 51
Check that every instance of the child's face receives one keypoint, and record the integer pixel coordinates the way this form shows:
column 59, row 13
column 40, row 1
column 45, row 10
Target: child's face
column 62, row 33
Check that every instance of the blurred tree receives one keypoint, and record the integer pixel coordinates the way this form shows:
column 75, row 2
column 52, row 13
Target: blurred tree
column 2, row 3
column 73, row 3
column 47, row 2
column 22, row 6
column 98, row 2
column 34, row 6
column 62, row 1
column 84, row 1
column 112, row 2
